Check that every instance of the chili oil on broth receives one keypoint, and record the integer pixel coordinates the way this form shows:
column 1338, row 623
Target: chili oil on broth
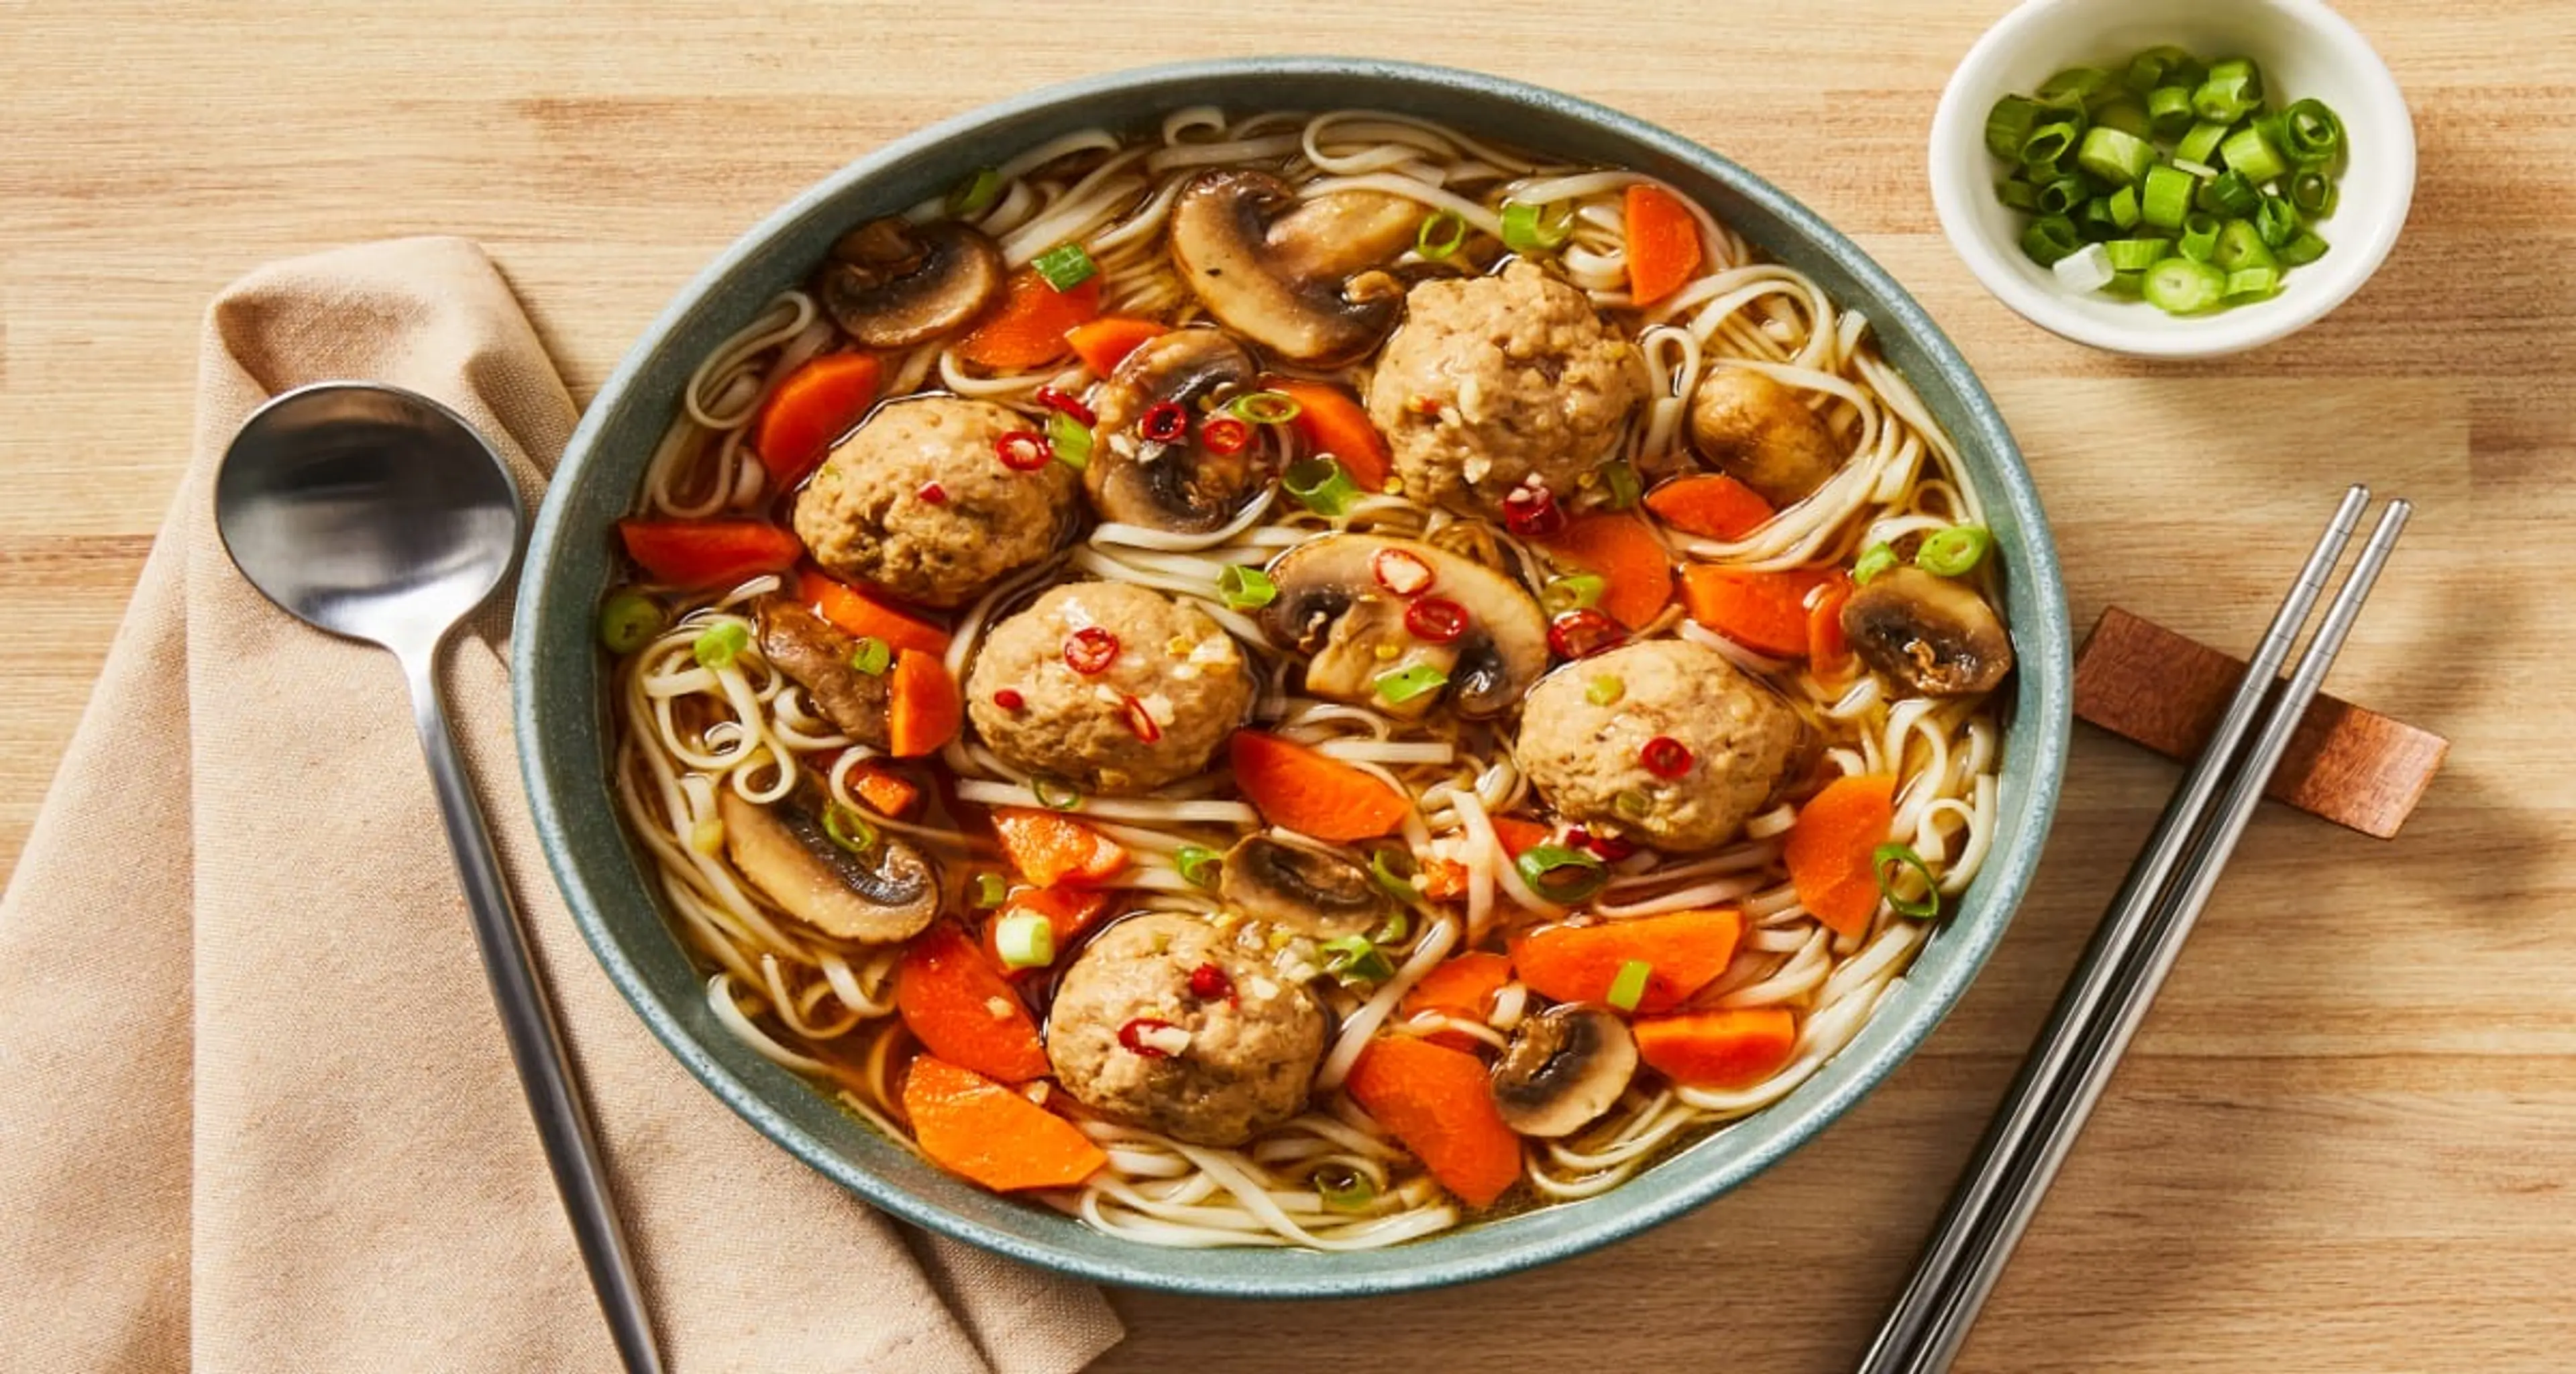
column 824, row 1006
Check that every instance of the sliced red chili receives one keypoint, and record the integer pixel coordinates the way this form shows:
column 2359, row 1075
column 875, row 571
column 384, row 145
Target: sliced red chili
column 1065, row 402
column 1009, row 699
column 1131, row 1037
column 1224, row 435
column 1090, row 650
column 1665, row 757
column 1208, row 983
column 1532, row 511
column 1435, row 619
column 1023, row 450
column 1165, row 422
column 1400, row 572
column 1141, row 721
column 933, row 493
column 1581, row 634
column 1610, row 848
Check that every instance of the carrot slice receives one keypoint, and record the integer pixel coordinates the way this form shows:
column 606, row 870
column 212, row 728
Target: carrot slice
column 1030, row 326
column 1831, row 847
column 1047, row 849
column 1293, row 786
column 922, row 708
column 976, row 1127
column 1105, row 342
column 1828, row 649
column 1439, row 1103
column 1682, row 950
column 708, row 553
column 1443, row 879
column 1663, row 243
column 1461, row 986
column 1711, row 505
column 1732, row 1048
column 1518, row 835
column 963, row 1009
column 882, row 790
column 1763, row 611
column 862, row 616
column 1636, row 573
column 1331, row 422
column 817, row 404
column 1068, row 912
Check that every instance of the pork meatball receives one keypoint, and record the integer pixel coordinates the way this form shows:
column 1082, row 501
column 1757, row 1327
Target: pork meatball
column 1165, row 1022
column 1590, row 761
column 920, row 504
column 1758, row 432
column 1113, row 688
column 1494, row 381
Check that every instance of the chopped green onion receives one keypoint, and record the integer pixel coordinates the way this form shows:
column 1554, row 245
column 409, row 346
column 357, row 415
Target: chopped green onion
column 2124, row 208
column 2164, row 66
column 2008, row 125
column 2126, row 285
column 2165, row 197
column 1572, row 592
column 1628, row 986
column 1065, row 266
column 2252, row 282
column 1055, row 794
column 1395, row 927
column 1025, row 939
column 2302, row 249
column 2086, row 269
column 1442, row 234
column 1344, row 1189
column 2248, row 151
column 1246, row 588
column 991, row 890
column 717, row 647
column 1320, row 483
column 976, row 194
column 1531, row 228
column 2049, row 238
column 2136, row 255
column 2017, row 193
column 2047, row 144
column 2200, row 142
column 1955, row 551
column 1265, row 407
column 2198, row 171
column 2124, row 116
column 1069, row 439
column 1561, row 874
column 2062, row 196
column 2232, row 90
column 1392, row 866
column 2116, row 157
column 2179, row 286
column 873, row 656
column 628, row 621
column 1404, row 684
column 2169, row 110
column 2240, row 247
column 2199, row 236
column 2312, row 193
column 2095, row 221
column 2078, row 88
column 2310, row 133
column 1199, row 865
column 1875, row 559
column 2277, row 221
column 849, row 829
column 2233, row 193
column 1620, row 476
column 1902, row 857
column 1355, row 959
column 1605, row 690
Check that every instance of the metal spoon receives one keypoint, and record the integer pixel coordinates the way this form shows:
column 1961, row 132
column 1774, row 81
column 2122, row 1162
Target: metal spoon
column 377, row 514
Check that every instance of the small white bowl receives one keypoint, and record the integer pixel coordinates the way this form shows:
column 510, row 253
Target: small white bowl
column 2304, row 49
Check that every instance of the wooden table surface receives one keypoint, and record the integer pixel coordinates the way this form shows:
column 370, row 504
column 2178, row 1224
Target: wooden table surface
column 2344, row 1139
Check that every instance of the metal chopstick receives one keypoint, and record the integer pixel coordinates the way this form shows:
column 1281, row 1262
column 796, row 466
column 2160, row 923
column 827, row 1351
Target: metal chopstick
column 2064, row 1072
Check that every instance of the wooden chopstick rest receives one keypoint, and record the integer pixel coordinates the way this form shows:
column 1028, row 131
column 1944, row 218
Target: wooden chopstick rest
column 2166, row 691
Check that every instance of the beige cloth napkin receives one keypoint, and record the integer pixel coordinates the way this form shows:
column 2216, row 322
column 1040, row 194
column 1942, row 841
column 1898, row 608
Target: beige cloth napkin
column 255, row 1109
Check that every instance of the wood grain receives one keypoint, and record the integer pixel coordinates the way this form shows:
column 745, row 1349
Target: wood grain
column 2166, row 691
column 2342, row 1141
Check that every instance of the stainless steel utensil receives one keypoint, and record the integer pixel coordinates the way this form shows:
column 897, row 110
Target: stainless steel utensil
column 379, row 515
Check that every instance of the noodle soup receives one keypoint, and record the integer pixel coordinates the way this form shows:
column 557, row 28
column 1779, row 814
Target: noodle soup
column 1301, row 680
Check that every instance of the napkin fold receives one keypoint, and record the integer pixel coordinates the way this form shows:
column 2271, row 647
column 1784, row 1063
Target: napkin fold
column 256, row 1113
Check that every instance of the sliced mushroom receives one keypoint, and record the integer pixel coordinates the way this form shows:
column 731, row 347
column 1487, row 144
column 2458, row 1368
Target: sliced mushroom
column 888, row 893
column 1758, row 432
column 1565, row 1067
column 1300, row 278
column 1306, row 890
column 1182, row 485
column 1932, row 635
column 817, row 655
column 1333, row 608
column 892, row 284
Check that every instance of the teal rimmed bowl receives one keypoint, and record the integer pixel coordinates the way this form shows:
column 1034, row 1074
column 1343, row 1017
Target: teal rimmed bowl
column 563, row 741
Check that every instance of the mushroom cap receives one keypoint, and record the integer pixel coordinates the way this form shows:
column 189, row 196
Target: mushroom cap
column 1295, row 276
column 1564, row 1068
column 888, row 894
column 1180, row 486
column 1332, row 608
column 1758, row 432
column 1305, row 890
column 892, row 284
column 1931, row 634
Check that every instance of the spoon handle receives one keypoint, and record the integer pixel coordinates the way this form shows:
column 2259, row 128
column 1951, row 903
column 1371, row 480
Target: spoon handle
column 536, row 1038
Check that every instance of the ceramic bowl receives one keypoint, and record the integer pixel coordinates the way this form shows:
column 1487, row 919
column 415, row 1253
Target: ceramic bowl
column 563, row 745
column 2304, row 50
